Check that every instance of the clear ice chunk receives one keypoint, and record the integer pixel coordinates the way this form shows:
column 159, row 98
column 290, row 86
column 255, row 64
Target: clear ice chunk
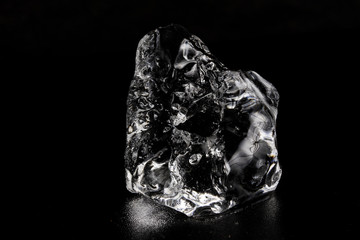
column 200, row 137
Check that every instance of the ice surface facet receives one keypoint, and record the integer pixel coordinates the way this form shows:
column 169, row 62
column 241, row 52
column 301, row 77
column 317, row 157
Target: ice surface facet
column 200, row 137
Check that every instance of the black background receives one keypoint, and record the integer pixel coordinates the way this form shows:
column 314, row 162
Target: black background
column 70, row 64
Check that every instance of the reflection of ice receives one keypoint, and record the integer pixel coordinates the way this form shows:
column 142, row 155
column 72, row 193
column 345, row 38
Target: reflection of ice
column 144, row 216
column 239, row 223
column 146, row 219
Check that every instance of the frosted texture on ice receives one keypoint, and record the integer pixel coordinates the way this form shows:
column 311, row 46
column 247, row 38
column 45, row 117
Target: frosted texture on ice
column 200, row 137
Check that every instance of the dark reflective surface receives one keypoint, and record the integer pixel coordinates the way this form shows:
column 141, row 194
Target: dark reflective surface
column 145, row 219
column 288, row 213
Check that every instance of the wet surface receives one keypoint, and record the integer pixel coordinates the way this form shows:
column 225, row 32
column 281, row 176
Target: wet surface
column 145, row 219
column 288, row 213
column 280, row 216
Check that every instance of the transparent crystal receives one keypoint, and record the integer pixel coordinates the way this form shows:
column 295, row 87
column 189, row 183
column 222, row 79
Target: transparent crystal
column 200, row 138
